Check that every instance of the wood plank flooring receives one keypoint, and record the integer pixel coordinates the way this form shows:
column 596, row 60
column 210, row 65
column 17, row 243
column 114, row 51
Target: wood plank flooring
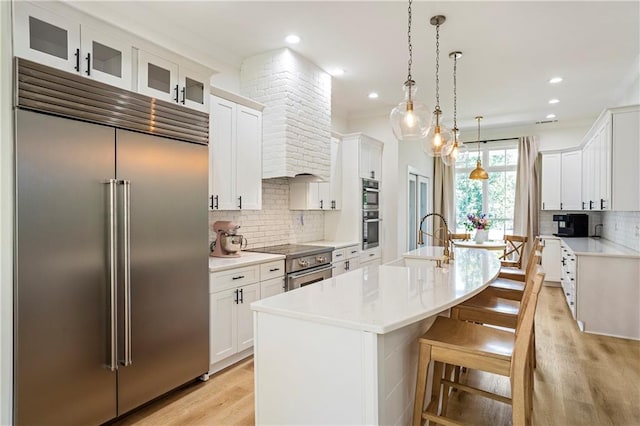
column 581, row 379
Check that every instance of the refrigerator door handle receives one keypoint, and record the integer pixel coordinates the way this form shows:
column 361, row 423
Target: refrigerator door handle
column 126, row 230
column 113, row 271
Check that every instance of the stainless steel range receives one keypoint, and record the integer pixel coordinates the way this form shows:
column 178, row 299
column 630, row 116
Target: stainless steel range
column 304, row 264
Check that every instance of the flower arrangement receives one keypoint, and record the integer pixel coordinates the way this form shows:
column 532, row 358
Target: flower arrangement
column 480, row 221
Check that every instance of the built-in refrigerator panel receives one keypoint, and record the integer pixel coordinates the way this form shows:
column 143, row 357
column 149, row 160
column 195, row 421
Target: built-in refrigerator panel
column 169, row 265
column 62, row 321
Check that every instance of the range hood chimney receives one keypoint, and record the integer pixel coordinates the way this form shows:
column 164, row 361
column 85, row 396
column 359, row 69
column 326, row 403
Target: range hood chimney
column 296, row 120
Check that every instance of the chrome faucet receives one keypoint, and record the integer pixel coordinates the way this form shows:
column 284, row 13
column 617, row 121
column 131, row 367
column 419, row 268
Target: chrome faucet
column 446, row 237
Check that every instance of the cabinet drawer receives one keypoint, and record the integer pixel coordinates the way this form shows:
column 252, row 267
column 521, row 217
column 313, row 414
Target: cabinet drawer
column 352, row 252
column 339, row 255
column 371, row 254
column 271, row 270
column 233, row 278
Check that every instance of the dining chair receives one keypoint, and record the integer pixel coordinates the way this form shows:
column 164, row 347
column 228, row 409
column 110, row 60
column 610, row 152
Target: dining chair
column 464, row 237
column 510, row 281
column 513, row 250
column 454, row 342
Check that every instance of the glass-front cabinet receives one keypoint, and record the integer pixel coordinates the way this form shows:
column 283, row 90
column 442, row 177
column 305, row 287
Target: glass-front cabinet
column 51, row 39
column 164, row 79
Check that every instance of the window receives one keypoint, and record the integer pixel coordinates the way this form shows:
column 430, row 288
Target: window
column 418, row 186
column 494, row 196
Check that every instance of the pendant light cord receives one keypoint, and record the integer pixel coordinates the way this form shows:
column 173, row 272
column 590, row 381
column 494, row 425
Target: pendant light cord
column 438, row 67
column 409, row 42
column 455, row 98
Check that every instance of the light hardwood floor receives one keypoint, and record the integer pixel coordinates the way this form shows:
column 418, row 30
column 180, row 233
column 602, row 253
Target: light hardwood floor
column 581, row 379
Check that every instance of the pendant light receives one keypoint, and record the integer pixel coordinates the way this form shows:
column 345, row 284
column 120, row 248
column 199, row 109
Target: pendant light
column 459, row 151
column 479, row 172
column 410, row 119
column 439, row 140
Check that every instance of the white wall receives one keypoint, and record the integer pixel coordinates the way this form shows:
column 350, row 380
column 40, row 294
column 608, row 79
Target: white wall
column 6, row 217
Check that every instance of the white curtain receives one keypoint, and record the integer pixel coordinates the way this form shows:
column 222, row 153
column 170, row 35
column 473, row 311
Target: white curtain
column 443, row 194
column 525, row 221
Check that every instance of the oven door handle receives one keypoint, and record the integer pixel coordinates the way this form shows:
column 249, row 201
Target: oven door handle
column 371, row 220
column 371, row 190
column 303, row 274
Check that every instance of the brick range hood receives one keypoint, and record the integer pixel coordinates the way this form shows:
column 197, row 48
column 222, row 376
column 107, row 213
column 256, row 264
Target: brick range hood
column 296, row 120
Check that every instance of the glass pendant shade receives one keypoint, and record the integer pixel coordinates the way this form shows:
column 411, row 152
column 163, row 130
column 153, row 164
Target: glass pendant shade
column 458, row 153
column 410, row 119
column 440, row 139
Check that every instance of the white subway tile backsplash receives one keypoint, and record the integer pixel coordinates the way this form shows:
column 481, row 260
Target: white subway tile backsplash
column 275, row 223
column 622, row 228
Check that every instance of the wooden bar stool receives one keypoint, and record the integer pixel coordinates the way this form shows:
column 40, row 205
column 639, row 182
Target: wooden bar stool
column 510, row 281
column 512, row 257
column 454, row 342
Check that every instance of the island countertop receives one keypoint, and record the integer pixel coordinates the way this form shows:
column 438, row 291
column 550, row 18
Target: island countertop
column 381, row 299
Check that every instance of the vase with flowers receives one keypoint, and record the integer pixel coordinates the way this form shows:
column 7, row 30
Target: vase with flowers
column 481, row 224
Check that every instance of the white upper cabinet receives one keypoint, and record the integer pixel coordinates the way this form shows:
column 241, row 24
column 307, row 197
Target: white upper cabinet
column 51, row 39
column 370, row 159
column 571, row 180
column 320, row 195
column 235, row 156
column 165, row 79
column 551, row 175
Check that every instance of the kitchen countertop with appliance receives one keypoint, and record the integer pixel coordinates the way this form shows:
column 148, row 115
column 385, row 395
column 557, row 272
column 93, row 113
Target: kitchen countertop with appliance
column 597, row 247
column 384, row 298
column 246, row 258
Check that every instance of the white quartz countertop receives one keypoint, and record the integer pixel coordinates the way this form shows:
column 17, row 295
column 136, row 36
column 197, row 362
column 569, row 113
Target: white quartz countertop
column 599, row 247
column 246, row 258
column 334, row 244
column 381, row 299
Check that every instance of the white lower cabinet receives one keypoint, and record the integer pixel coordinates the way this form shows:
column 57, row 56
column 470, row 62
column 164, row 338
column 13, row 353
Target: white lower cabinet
column 550, row 259
column 346, row 259
column 371, row 257
column 231, row 293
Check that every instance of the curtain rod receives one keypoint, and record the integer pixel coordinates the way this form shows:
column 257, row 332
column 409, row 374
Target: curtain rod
column 493, row 140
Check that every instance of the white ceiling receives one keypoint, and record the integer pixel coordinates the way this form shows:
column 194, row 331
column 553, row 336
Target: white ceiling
column 510, row 49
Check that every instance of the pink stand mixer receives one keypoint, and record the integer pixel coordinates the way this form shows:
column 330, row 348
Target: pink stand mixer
column 227, row 243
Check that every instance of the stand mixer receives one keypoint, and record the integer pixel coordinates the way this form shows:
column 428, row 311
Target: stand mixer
column 227, row 243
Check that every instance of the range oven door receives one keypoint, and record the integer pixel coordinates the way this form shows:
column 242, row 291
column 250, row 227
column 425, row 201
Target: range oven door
column 309, row 276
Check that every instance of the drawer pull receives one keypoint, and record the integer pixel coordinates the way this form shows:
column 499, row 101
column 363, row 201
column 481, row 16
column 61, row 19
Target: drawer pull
column 339, row 255
column 274, row 269
column 238, row 277
column 354, row 251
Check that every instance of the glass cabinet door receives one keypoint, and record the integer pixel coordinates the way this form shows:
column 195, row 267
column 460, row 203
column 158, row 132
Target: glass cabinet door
column 46, row 38
column 105, row 58
column 194, row 89
column 157, row 77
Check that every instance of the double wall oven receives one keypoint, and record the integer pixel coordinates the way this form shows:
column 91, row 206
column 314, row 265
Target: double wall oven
column 304, row 264
column 370, row 213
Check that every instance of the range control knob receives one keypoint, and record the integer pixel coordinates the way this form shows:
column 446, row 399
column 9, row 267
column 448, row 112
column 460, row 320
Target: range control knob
column 303, row 263
column 321, row 259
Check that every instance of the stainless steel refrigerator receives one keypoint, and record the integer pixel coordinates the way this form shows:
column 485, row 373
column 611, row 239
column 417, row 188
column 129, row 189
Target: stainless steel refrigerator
column 111, row 291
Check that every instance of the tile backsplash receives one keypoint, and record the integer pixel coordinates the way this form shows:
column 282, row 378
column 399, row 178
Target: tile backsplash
column 275, row 223
column 622, row 228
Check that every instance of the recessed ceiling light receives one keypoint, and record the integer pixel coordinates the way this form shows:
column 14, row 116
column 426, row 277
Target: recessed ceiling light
column 292, row 39
column 551, row 116
column 336, row 72
column 373, row 95
column 555, row 80
column 554, row 101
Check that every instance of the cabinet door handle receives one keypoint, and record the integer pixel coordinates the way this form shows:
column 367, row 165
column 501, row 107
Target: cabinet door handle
column 211, row 204
column 333, row 204
column 241, row 296
column 237, row 293
column 184, row 95
column 560, row 206
column 347, row 265
column 240, row 202
column 373, row 174
column 321, row 204
column 543, row 205
column 88, row 64
column 590, row 205
column 176, row 89
column 77, row 67
column 216, row 197
column 601, row 203
column 239, row 277
column 583, row 205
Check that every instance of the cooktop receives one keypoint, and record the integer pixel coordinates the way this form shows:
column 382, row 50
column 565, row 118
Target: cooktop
column 291, row 250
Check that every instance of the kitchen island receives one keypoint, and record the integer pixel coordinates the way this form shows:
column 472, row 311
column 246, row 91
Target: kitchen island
column 344, row 350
